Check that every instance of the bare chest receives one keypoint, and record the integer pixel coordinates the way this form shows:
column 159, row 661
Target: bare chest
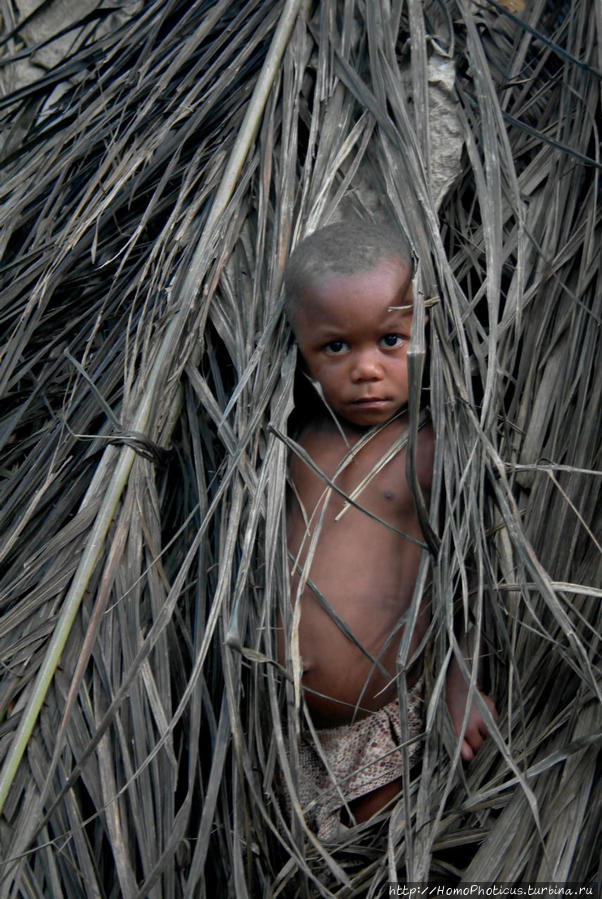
column 369, row 477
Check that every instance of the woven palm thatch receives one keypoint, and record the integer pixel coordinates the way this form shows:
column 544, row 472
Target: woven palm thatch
column 153, row 182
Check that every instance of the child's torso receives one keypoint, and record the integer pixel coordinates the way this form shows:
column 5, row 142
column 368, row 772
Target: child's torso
column 365, row 570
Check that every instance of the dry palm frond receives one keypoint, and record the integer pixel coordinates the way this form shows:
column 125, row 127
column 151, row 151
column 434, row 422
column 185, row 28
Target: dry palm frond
column 147, row 382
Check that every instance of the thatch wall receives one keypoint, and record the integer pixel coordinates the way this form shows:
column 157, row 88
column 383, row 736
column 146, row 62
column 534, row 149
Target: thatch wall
column 147, row 376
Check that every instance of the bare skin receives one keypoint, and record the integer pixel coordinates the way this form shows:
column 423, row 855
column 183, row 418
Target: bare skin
column 353, row 333
column 364, row 570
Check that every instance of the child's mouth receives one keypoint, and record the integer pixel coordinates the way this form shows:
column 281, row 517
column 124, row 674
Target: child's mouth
column 371, row 402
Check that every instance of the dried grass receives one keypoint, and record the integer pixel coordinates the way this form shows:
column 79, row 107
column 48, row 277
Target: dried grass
column 147, row 381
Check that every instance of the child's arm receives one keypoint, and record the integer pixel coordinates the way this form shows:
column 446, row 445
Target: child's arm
column 457, row 689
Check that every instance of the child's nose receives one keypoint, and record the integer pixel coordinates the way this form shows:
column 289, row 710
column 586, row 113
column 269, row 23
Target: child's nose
column 367, row 367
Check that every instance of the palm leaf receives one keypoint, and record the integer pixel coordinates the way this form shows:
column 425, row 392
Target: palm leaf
column 156, row 172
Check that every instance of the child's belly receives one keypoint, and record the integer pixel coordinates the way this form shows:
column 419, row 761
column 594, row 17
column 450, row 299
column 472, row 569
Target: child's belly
column 371, row 593
column 339, row 681
column 367, row 573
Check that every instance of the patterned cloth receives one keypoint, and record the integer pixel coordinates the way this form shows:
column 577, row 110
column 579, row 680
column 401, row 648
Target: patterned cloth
column 361, row 757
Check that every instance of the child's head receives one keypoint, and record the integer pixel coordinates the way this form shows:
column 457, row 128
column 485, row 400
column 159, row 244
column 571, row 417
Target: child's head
column 344, row 248
column 349, row 302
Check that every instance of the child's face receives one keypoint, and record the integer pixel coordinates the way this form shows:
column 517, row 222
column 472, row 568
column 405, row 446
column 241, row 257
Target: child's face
column 354, row 342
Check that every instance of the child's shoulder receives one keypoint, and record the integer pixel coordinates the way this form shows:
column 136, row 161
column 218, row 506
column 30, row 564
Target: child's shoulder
column 425, row 447
column 316, row 429
column 320, row 441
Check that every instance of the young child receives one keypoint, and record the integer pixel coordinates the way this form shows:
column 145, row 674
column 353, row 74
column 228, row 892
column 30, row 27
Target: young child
column 349, row 303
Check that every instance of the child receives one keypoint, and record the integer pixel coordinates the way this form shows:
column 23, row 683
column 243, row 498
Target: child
column 349, row 303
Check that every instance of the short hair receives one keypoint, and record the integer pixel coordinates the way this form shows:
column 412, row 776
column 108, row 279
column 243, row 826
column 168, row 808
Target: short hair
column 343, row 248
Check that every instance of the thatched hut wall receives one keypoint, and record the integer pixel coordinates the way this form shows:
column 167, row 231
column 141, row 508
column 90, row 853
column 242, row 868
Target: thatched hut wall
column 147, row 382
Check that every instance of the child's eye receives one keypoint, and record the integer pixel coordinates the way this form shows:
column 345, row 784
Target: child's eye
column 390, row 341
column 335, row 347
